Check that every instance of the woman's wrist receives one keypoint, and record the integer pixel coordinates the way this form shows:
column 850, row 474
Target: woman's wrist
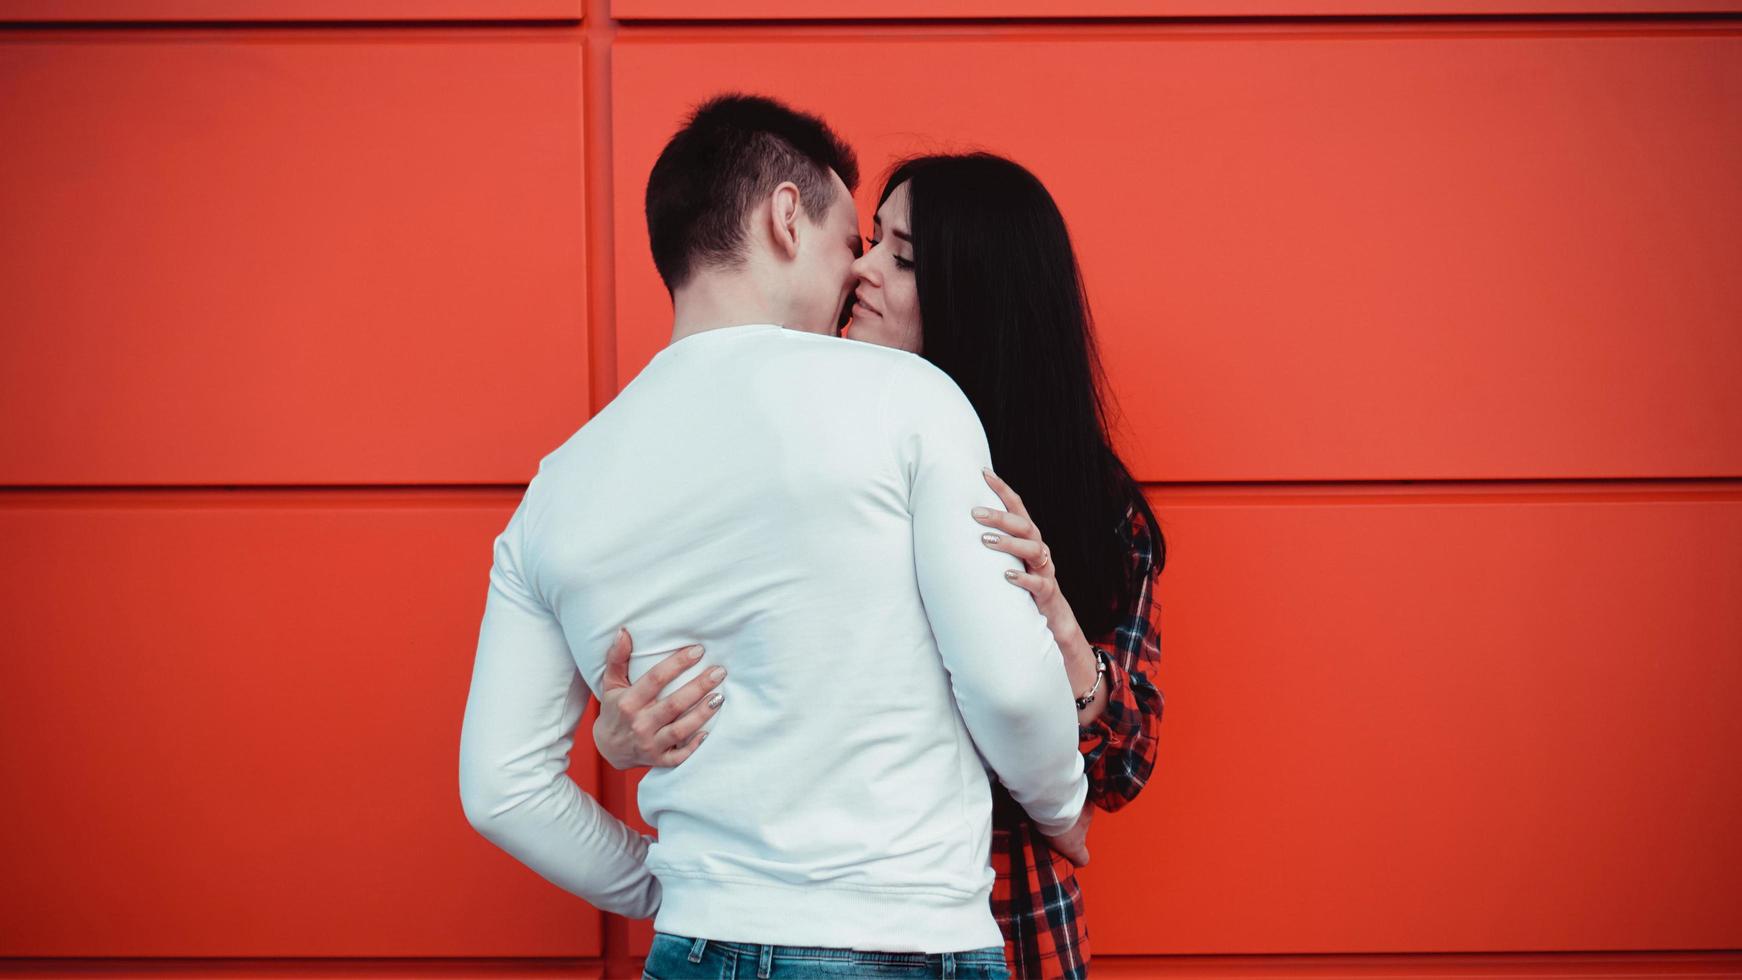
column 1096, row 690
column 1081, row 663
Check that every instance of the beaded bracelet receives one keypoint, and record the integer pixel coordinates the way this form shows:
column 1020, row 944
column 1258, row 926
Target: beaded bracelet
column 1100, row 671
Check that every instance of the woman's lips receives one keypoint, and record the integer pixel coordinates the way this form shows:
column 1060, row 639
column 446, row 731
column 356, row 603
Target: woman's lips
column 860, row 304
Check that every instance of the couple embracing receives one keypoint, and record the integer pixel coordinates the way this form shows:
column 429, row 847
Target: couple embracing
column 877, row 729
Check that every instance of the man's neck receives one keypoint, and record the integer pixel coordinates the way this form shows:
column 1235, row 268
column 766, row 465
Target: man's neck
column 712, row 300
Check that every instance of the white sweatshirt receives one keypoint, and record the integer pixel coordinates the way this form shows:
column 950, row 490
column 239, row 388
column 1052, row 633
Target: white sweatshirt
column 800, row 505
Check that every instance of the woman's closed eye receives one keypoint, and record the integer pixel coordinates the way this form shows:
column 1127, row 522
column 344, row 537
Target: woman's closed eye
column 900, row 263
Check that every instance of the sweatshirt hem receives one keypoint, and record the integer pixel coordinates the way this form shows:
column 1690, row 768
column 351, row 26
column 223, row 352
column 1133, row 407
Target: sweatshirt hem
column 890, row 919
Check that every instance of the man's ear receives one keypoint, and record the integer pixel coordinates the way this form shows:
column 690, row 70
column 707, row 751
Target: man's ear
column 783, row 218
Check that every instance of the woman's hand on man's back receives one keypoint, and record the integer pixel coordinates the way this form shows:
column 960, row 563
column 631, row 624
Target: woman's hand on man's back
column 636, row 727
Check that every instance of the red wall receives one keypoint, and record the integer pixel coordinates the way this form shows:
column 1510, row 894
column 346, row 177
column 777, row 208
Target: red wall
column 1424, row 318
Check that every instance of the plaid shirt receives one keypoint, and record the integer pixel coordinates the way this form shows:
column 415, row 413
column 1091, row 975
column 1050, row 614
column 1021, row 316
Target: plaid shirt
column 1035, row 897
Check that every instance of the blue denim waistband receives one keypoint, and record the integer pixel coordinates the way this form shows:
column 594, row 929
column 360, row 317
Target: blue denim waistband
column 698, row 947
column 843, row 955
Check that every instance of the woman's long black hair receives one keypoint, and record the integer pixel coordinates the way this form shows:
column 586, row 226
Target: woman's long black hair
column 1003, row 313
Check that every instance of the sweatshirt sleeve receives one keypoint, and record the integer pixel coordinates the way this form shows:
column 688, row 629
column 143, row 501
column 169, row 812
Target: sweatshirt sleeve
column 1005, row 669
column 526, row 699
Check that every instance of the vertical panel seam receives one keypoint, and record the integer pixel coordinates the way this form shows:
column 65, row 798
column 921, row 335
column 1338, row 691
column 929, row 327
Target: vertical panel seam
column 598, row 31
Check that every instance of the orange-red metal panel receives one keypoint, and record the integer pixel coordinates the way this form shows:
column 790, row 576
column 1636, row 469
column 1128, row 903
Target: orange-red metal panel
column 1450, row 722
column 1321, row 254
column 229, row 726
column 289, row 256
column 288, row 10
column 807, row 10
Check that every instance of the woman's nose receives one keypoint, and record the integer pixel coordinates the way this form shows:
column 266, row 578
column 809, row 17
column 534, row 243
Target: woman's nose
column 861, row 269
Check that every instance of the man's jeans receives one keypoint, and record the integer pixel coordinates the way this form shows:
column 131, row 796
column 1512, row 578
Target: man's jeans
column 687, row 958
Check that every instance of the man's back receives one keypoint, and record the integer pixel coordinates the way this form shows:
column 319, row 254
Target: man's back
column 754, row 491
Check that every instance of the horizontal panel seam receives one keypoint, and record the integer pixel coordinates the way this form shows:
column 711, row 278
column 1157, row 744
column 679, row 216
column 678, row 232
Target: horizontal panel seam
column 1480, row 963
column 634, row 27
column 1614, row 489
column 637, row 28
column 280, row 24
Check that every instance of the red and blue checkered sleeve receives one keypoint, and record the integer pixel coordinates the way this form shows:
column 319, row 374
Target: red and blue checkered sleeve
column 1119, row 746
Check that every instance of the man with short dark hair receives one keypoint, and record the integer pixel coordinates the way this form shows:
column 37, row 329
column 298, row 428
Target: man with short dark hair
column 798, row 505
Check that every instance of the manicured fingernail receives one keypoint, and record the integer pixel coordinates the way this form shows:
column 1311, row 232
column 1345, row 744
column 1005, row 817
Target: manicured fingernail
column 987, row 470
column 693, row 653
column 716, row 699
column 716, row 673
column 1010, row 574
column 990, row 538
column 981, row 513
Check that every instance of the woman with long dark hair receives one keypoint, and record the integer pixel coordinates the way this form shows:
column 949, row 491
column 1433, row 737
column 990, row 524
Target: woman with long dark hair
column 970, row 266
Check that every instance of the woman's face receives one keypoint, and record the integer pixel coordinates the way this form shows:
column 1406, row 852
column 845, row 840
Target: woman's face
column 886, row 302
